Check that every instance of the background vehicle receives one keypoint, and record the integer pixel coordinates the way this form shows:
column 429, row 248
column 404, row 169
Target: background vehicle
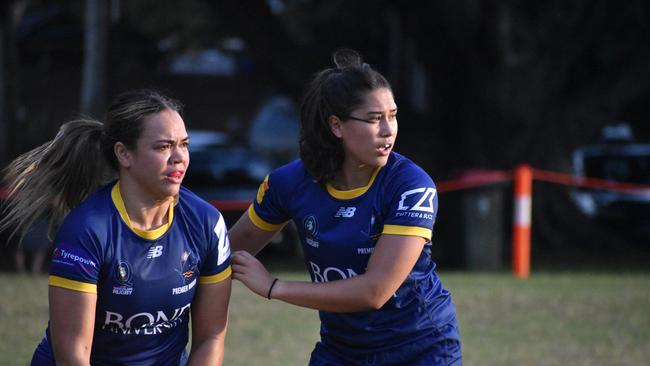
column 616, row 158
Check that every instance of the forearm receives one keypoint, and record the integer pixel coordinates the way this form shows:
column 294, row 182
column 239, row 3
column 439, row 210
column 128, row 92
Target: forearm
column 389, row 265
column 71, row 357
column 358, row 293
column 207, row 352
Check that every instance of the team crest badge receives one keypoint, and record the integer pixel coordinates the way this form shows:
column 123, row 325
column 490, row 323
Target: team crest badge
column 188, row 265
column 123, row 273
column 123, row 276
column 310, row 225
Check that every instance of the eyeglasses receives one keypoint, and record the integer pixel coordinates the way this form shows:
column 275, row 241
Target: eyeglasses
column 372, row 120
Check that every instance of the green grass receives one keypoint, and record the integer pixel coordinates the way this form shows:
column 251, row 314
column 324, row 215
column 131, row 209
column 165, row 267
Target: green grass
column 550, row 319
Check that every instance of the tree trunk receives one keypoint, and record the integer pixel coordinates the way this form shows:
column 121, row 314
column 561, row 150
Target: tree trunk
column 10, row 14
column 93, row 84
column 4, row 123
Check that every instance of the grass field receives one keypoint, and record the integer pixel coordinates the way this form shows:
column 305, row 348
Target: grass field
column 550, row 319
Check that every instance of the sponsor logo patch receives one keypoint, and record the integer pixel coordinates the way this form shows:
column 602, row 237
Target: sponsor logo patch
column 419, row 199
column 183, row 289
column 144, row 323
column 345, row 212
column 155, row 252
column 70, row 256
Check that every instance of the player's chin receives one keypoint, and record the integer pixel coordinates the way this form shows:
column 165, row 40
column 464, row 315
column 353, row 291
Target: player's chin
column 381, row 160
column 171, row 187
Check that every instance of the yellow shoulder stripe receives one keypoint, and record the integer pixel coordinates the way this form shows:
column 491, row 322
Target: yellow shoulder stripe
column 206, row 280
column 57, row 281
column 407, row 230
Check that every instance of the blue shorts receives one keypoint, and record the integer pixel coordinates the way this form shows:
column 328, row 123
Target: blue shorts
column 442, row 347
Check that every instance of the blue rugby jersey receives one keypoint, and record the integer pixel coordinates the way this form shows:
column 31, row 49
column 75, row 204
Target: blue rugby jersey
column 339, row 230
column 144, row 280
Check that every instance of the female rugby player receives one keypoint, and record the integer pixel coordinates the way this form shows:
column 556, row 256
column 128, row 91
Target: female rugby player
column 365, row 216
column 135, row 253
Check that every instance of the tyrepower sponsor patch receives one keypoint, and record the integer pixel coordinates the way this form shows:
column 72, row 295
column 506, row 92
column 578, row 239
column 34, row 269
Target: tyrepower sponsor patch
column 67, row 255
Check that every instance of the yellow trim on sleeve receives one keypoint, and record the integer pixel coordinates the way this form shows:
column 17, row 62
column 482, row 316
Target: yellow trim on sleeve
column 57, row 281
column 407, row 230
column 206, row 280
column 260, row 223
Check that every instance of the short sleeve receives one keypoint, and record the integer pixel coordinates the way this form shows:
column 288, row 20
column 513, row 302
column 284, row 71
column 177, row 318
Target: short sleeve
column 411, row 202
column 268, row 211
column 76, row 258
column 216, row 264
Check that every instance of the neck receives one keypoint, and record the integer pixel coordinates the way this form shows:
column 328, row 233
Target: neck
column 352, row 176
column 145, row 212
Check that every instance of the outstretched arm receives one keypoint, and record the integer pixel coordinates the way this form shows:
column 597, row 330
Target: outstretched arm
column 390, row 263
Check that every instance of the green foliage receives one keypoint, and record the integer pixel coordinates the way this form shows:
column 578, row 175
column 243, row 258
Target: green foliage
column 189, row 21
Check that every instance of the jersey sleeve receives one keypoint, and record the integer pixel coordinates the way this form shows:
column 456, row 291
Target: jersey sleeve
column 76, row 258
column 412, row 203
column 216, row 264
column 268, row 210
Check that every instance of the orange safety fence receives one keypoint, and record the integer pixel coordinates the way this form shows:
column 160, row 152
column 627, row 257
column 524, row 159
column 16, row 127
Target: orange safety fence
column 591, row 183
column 523, row 177
column 474, row 179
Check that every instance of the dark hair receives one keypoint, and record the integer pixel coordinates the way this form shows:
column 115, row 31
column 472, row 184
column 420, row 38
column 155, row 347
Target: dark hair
column 55, row 177
column 335, row 91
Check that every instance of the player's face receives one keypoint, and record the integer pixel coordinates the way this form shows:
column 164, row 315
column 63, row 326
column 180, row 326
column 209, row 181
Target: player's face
column 161, row 158
column 369, row 133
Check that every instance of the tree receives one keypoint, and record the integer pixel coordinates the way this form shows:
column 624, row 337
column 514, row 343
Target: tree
column 94, row 87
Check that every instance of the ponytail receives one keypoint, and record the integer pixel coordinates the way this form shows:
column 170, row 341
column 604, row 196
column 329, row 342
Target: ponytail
column 55, row 177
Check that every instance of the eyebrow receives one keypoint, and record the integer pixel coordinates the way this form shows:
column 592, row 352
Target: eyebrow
column 170, row 141
column 373, row 112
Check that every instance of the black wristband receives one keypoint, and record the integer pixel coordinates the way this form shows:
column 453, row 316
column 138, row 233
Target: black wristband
column 268, row 296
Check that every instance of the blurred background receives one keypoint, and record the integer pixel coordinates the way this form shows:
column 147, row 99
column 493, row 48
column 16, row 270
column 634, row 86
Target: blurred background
column 482, row 86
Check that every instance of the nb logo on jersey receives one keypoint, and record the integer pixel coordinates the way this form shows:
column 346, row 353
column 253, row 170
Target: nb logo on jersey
column 345, row 212
column 155, row 252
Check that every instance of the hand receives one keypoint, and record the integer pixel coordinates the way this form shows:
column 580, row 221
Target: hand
column 251, row 272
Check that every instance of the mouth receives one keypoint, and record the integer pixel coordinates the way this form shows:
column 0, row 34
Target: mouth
column 175, row 176
column 384, row 148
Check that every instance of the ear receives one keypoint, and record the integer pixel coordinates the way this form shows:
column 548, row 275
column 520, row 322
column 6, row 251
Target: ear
column 335, row 126
column 123, row 155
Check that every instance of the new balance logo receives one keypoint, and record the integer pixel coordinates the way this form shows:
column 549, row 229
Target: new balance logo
column 155, row 252
column 345, row 212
